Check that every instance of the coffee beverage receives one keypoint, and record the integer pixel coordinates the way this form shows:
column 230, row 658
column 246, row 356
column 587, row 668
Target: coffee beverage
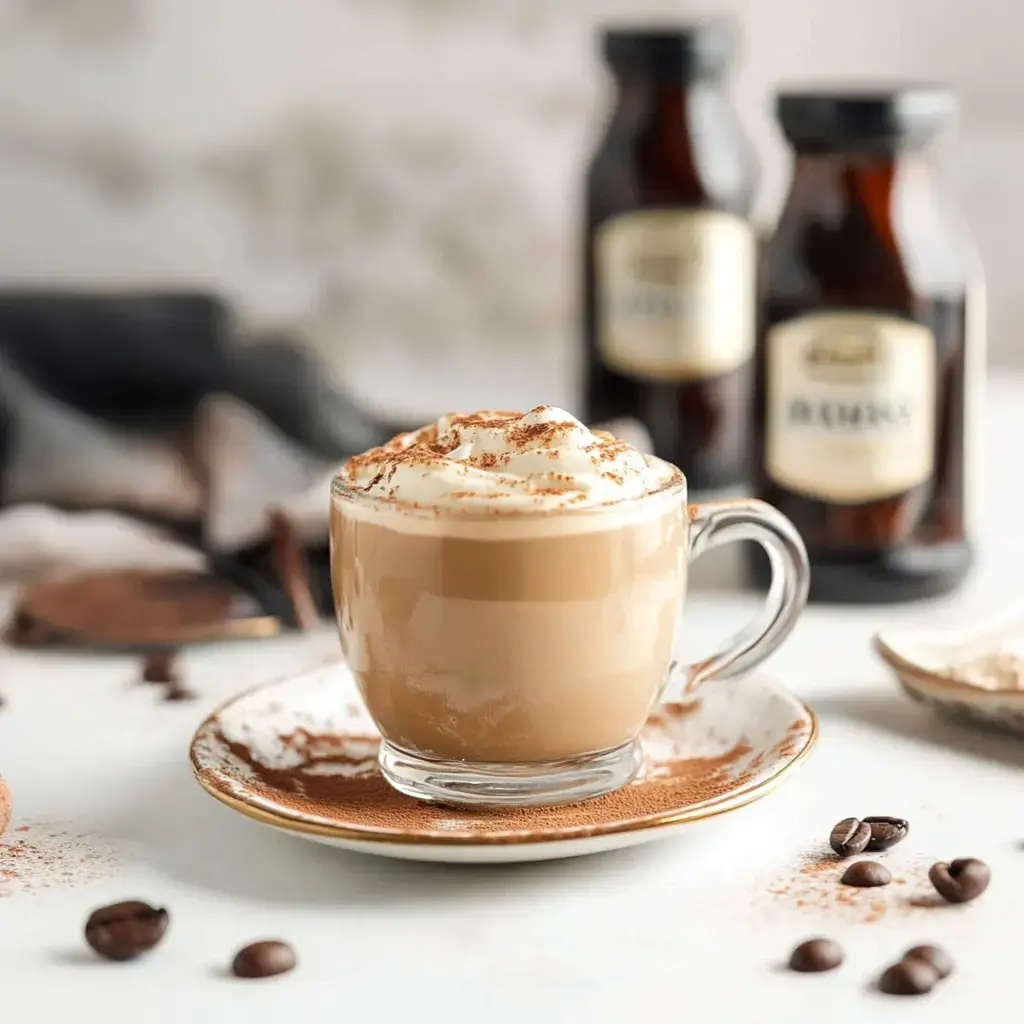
column 518, row 638
column 508, row 588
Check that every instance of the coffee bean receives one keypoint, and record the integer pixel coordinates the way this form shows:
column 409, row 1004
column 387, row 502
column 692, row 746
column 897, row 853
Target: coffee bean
column 913, row 977
column 177, row 692
column 126, row 930
column 816, row 955
column 961, row 880
column 934, row 955
column 886, row 832
column 159, row 667
column 866, row 874
column 849, row 837
column 264, row 959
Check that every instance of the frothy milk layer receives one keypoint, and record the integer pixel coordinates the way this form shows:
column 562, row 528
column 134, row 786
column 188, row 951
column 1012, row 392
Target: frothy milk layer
column 543, row 460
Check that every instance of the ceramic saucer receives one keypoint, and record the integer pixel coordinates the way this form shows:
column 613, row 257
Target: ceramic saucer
column 968, row 670
column 300, row 755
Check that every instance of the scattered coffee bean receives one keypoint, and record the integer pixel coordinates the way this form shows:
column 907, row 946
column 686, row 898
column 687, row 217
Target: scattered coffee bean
column 264, row 960
column 961, row 880
column 913, row 977
column 849, row 837
column 934, row 955
column 867, row 874
column 126, row 930
column 178, row 692
column 886, row 832
column 816, row 955
column 24, row 631
column 159, row 668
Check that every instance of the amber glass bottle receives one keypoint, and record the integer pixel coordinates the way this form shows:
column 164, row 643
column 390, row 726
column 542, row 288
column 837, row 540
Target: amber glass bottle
column 670, row 256
column 867, row 356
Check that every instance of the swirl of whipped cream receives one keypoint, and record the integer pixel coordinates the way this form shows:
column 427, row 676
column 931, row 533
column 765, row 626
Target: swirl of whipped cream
column 541, row 460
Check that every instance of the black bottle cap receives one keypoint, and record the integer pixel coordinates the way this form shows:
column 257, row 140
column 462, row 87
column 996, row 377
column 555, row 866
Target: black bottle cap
column 867, row 118
column 689, row 51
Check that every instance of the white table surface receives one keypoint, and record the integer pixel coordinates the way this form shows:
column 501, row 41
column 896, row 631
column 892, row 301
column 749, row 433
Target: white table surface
column 683, row 929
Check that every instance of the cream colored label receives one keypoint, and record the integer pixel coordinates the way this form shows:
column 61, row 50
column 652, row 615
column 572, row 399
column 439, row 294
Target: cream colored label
column 675, row 293
column 850, row 405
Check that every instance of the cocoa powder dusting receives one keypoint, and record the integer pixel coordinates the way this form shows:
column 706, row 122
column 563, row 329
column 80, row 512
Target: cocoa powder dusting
column 494, row 496
column 667, row 713
column 38, row 857
column 813, row 885
column 488, row 460
column 430, row 447
column 424, row 447
column 337, row 779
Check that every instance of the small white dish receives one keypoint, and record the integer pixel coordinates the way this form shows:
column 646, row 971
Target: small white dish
column 972, row 671
column 300, row 755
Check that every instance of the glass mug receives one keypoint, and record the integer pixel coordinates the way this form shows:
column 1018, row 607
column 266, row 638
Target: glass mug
column 512, row 659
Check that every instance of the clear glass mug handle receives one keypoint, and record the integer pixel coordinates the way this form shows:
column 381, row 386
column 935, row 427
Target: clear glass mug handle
column 715, row 523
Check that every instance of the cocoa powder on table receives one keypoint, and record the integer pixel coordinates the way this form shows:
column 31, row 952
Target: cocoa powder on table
column 40, row 856
column 813, row 885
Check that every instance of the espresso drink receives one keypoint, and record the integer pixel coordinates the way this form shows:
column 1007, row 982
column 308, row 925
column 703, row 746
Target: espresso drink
column 508, row 586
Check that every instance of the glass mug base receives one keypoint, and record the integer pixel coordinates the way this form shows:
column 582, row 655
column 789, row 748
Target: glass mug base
column 543, row 783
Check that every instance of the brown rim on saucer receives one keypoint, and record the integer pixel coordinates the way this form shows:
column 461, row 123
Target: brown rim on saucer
column 219, row 790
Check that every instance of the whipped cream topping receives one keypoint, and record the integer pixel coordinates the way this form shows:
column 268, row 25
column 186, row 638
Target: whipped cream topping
column 541, row 460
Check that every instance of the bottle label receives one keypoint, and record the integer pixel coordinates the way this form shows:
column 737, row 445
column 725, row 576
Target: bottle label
column 850, row 405
column 675, row 293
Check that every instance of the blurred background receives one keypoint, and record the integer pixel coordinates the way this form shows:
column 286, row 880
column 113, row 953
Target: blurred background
column 392, row 187
column 399, row 181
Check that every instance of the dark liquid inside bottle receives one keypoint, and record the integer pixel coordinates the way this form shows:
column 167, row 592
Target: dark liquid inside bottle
column 862, row 371
column 669, row 193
